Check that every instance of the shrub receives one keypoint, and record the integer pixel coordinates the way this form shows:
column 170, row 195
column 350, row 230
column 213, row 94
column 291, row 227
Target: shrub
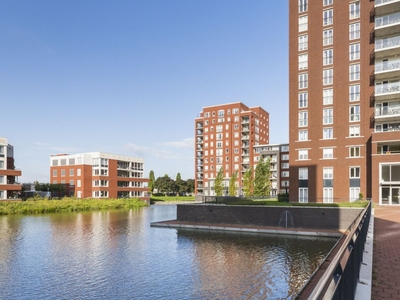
column 283, row 197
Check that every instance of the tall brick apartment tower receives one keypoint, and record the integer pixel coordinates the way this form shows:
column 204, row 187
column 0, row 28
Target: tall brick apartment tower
column 224, row 137
column 344, row 81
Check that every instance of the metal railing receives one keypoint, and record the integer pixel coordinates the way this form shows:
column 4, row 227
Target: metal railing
column 339, row 281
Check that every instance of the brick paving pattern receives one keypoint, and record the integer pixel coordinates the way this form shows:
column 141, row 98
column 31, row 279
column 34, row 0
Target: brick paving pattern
column 386, row 256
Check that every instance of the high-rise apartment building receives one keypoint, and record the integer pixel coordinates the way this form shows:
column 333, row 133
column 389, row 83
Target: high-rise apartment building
column 9, row 186
column 344, row 96
column 100, row 175
column 224, row 138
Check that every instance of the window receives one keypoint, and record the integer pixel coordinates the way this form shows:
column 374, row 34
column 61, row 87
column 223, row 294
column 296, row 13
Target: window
column 303, row 195
column 354, row 71
column 327, row 76
column 218, row 136
column 303, row 42
column 327, row 57
column 327, row 116
column 327, row 37
column 354, row 113
column 354, row 31
column 328, row 2
column 354, row 131
column 285, row 165
column 235, row 110
column 327, row 96
column 303, row 23
column 71, row 172
column 354, row 172
column 219, row 144
column 328, row 173
column 328, row 195
column 354, row 10
column 327, row 17
column 303, row 61
column 303, row 135
column 285, row 157
column 285, row 174
column 303, row 173
column 302, row 5
column 354, row 51
column 303, row 154
column 327, row 153
column 303, row 100
column 354, row 93
column 327, row 133
column 354, row 151
column 303, row 80
column 55, row 173
column 63, row 173
column 221, row 113
column 218, row 128
column 303, row 118
column 79, row 172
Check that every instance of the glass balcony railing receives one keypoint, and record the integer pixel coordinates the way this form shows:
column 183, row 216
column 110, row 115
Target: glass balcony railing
column 392, row 19
column 387, row 65
column 387, row 88
column 378, row 2
column 387, row 111
column 381, row 44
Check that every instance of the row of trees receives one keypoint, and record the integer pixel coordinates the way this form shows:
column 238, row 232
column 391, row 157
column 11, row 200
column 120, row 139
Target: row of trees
column 257, row 185
column 167, row 185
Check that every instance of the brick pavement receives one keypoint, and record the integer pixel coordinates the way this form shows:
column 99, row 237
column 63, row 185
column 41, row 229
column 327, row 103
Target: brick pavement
column 386, row 255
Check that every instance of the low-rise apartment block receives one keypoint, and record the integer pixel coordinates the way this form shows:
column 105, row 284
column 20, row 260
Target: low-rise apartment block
column 9, row 186
column 100, row 175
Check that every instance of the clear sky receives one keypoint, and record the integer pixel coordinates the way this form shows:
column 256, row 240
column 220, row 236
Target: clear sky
column 129, row 77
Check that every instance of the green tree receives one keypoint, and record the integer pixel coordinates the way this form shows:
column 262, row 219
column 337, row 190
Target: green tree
column 248, row 182
column 151, row 181
column 262, row 185
column 166, row 185
column 189, row 185
column 219, row 182
column 232, row 184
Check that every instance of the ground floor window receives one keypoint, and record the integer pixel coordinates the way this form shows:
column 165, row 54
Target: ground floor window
column 390, row 195
column 390, row 187
column 354, row 194
column 328, row 195
column 303, row 195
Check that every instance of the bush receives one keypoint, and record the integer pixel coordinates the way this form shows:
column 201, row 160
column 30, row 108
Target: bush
column 283, row 197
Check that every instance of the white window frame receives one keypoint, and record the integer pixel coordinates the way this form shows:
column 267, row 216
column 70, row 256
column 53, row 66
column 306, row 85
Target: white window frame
column 355, row 151
column 327, row 96
column 327, row 133
column 303, row 135
column 354, row 51
column 303, row 42
column 354, row 131
column 328, row 2
column 354, row 72
column 327, row 17
column 354, row 172
column 303, row 80
column 303, row 61
column 327, row 195
column 354, row 92
column 327, row 37
column 327, row 57
column 327, row 153
column 303, row 195
column 354, row 10
column 327, row 114
column 303, row 118
column 354, row 113
column 327, row 76
column 303, row 173
column 354, row 31
column 303, row 99
column 303, row 154
column 303, row 23
column 303, row 5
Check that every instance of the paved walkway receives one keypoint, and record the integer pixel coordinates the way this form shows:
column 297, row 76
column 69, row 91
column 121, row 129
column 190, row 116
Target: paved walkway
column 386, row 255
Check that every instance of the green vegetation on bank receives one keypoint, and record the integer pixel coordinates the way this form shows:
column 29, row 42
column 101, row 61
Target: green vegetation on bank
column 155, row 198
column 40, row 205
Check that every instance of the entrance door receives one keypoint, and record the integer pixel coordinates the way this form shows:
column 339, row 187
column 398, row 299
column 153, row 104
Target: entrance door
column 395, row 195
column 385, row 195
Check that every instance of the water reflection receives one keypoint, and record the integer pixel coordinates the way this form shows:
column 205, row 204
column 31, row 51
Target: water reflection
column 117, row 255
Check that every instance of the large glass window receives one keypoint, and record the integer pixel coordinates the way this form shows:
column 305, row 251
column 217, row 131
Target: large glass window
column 328, row 2
column 303, row 154
column 303, row 135
column 327, row 153
column 302, row 5
column 354, row 151
column 354, row 131
column 303, row 173
column 327, row 133
column 303, row 195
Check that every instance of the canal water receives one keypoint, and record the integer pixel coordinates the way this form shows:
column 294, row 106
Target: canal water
column 117, row 255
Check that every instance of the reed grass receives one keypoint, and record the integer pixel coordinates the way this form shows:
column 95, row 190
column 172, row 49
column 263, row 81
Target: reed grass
column 41, row 206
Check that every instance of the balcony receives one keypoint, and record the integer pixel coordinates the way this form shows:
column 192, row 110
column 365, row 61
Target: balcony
column 386, row 6
column 387, row 68
column 387, row 111
column 245, row 137
column 199, row 141
column 245, row 128
column 386, row 47
column 388, row 148
column 387, row 24
column 245, row 153
column 387, row 90
column 246, row 161
column 387, row 127
column 245, row 121
column 199, row 132
column 245, row 145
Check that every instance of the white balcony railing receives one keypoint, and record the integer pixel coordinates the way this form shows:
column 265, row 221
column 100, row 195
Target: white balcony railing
column 381, row 44
column 389, row 65
column 392, row 19
column 385, row 88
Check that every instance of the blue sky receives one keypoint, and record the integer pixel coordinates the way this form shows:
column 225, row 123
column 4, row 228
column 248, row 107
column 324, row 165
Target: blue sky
column 129, row 77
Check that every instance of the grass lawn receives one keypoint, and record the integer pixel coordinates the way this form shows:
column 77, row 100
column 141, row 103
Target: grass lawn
column 171, row 198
